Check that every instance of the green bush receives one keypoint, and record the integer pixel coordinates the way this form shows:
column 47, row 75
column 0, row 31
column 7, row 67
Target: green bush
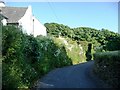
column 88, row 52
column 107, row 67
column 26, row 59
column 74, row 50
column 52, row 56
column 113, row 43
column 17, row 72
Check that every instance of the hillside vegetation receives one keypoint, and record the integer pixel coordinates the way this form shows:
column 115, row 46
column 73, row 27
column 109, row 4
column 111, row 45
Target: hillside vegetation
column 102, row 40
column 105, row 46
column 74, row 51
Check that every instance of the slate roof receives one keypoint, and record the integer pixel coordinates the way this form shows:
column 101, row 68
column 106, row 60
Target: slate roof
column 2, row 2
column 3, row 16
column 13, row 13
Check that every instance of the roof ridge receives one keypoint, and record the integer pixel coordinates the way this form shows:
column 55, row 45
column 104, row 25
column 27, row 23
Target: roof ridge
column 13, row 7
column 2, row 1
column 14, row 13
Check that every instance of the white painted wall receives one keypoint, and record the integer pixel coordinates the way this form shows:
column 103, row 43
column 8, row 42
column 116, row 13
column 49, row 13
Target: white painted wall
column 39, row 29
column 32, row 27
column 2, row 4
column 27, row 22
column 4, row 22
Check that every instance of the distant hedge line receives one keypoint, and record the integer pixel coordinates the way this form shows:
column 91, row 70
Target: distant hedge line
column 107, row 67
column 26, row 59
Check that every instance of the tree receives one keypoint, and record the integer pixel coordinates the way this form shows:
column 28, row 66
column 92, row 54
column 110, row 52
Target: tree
column 88, row 52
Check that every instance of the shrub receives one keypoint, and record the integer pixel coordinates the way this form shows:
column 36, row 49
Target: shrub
column 51, row 55
column 17, row 72
column 113, row 43
column 88, row 52
column 107, row 67
column 26, row 59
column 74, row 50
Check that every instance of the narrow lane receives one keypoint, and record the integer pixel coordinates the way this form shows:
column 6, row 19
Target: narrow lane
column 77, row 76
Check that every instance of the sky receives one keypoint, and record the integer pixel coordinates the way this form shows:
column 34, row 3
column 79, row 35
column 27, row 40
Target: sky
column 96, row 15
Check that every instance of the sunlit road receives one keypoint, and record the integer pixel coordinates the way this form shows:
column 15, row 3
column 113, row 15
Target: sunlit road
column 77, row 76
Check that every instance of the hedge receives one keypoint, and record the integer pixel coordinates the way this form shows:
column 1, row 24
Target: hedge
column 107, row 67
column 25, row 59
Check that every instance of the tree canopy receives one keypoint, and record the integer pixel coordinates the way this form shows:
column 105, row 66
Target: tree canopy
column 105, row 39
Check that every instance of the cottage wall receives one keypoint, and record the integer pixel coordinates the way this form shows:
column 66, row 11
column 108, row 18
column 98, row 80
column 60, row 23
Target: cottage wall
column 2, row 4
column 4, row 22
column 26, row 21
column 39, row 29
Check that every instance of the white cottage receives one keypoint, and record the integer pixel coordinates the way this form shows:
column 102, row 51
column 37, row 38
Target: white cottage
column 22, row 16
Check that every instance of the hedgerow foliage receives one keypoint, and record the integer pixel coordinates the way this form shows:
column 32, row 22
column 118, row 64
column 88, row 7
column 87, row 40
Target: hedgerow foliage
column 26, row 59
column 107, row 67
column 74, row 51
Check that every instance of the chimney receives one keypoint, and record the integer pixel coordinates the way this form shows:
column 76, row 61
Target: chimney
column 2, row 4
